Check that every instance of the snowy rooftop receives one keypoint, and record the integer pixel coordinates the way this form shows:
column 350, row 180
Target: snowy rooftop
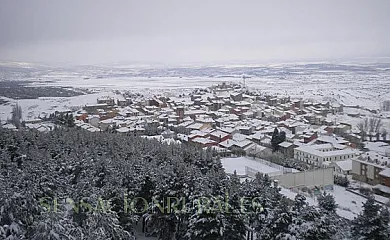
column 286, row 144
column 257, row 135
column 242, row 144
column 331, row 139
column 374, row 158
column 197, row 126
column 316, row 150
column 385, row 173
column 345, row 165
column 123, row 130
column 379, row 147
column 227, row 129
column 202, row 140
column 227, row 143
column 162, row 139
column 383, row 188
column 239, row 137
column 219, row 133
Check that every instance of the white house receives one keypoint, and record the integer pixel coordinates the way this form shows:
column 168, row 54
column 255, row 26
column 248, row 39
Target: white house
column 317, row 154
column 343, row 167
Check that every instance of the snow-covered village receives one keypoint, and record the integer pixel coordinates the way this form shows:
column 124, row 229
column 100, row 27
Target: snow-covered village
column 320, row 153
column 194, row 120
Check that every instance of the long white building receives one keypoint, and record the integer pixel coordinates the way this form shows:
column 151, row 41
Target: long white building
column 316, row 154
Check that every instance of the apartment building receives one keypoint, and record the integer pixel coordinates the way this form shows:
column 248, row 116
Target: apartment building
column 368, row 166
column 316, row 154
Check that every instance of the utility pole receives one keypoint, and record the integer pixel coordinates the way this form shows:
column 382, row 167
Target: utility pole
column 244, row 80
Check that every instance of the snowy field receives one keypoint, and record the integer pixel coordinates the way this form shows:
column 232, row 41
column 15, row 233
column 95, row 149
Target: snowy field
column 238, row 164
column 347, row 89
column 350, row 84
column 32, row 108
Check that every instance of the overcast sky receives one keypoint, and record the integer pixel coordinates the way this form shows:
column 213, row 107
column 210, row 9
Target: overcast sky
column 183, row 31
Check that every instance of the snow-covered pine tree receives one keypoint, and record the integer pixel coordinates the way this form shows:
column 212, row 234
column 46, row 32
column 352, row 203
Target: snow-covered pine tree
column 275, row 140
column 68, row 163
column 54, row 226
column 235, row 220
column 315, row 225
column 372, row 222
column 102, row 226
column 234, row 184
column 299, row 203
column 18, row 212
column 205, row 225
column 276, row 225
column 327, row 202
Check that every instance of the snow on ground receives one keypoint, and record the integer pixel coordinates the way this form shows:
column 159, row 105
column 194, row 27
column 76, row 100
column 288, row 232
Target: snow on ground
column 355, row 185
column 349, row 85
column 349, row 204
column 131, row 83
column 341, row 88
column 354, row 121
column 140, row 236
column 32, row 108
column 291, row 195
column 239, row 163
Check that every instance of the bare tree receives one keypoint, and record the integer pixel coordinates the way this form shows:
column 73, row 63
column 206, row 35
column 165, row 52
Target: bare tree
column 386, row 105
column 16, row 115
column 369, row 126
column 384, row 134
column 363, row 127
column 375, row 124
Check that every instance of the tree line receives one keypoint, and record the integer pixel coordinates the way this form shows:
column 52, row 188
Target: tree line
column 40, row 172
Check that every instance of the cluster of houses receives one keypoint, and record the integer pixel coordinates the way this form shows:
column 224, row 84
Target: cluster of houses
column 231, row 119
column 37, row 124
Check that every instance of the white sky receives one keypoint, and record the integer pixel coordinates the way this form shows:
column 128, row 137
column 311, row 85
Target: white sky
column 183, row 31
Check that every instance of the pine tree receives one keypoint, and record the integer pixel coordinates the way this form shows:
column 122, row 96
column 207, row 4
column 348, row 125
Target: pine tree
column 102, row 226
column 341, row 180
column 17, row 214
column 372, row 222
column 66, row 163
column 56, row 225
column 327, row 202
column 147, row 189
column 235, row 222
column 277, row 223
column 311, row 222
column 205, row 225
column 323, row 227
column 234, row 184
column 282, row 137
column 70, row 121
column 299, row 202
column 275, row 140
